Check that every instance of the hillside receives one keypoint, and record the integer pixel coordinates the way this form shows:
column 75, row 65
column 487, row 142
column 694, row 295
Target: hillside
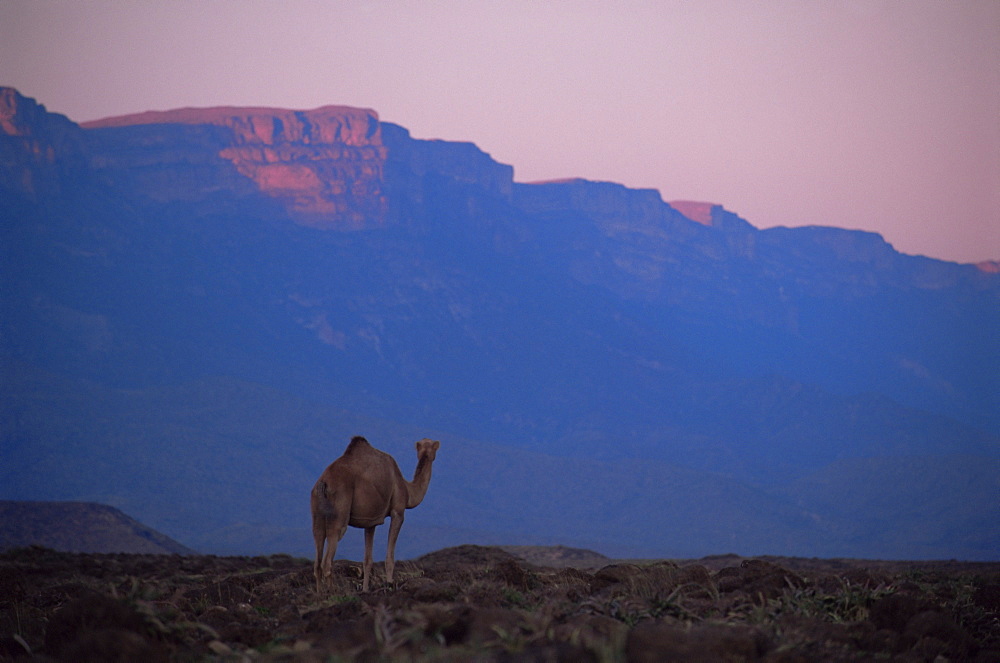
column 205, row 305
column 79, row 527
column 484, row 604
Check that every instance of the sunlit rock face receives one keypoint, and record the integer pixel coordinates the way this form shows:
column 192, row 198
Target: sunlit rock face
column 698, row 212
column 36, row 147
column 325, row 166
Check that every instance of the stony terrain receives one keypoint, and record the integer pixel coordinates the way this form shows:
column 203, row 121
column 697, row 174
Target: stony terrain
column 485, row 604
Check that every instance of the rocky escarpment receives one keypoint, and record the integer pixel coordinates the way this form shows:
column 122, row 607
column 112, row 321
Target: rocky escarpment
column 325, row 166
column 633, row 241
column 414, row 160
column 614, row 208
column 334, row 167
column 36, row 147
column 442, row 186
column 699, row 212
column 711, row 215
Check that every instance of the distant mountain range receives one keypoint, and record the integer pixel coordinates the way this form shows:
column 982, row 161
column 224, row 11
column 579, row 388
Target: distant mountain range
column 80, row 527
column 201, row 306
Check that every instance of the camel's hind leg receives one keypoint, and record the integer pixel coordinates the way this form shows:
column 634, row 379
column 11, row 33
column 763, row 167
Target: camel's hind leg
column 319, row 535
column 323, row 536
column 328, row 530
column 369, row 543
column 324, row 561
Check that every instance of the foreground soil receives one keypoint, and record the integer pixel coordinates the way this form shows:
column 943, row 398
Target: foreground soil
column 485, row 604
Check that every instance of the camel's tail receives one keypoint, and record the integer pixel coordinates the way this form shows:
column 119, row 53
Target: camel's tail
column 322, row 504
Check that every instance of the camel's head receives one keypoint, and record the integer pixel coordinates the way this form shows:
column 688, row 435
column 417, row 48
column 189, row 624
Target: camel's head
column 427, row 449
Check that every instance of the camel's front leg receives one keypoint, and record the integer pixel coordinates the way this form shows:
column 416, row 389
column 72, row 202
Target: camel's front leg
column 369, row 543
column 390, row 551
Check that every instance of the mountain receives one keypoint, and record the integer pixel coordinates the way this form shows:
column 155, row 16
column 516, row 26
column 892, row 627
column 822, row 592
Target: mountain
column 205, row 304
column 80, row 527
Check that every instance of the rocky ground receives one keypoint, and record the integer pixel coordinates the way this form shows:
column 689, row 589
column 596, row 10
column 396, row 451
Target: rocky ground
column 485, row 604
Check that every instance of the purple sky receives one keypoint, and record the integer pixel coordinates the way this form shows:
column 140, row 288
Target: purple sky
column 881, row 115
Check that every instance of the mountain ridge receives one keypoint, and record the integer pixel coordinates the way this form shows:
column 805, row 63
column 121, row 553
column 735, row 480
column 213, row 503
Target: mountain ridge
column 337, row 124
column 83, row 527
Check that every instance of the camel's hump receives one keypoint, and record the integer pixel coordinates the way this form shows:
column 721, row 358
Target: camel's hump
column 356, row 443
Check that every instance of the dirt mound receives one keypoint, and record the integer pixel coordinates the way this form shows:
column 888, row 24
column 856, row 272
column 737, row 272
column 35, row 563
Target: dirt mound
column 559, row 556
column 482, row 603
column 466, row 555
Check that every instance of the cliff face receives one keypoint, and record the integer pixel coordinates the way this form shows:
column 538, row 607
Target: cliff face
column 324, row 166
column 698, row 212
column 413, row 161
column 633, row 242
column 614, row 208
column 334, row 167
column 36, row 147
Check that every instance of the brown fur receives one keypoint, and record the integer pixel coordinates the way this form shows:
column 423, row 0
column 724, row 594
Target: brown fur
column 361, row 489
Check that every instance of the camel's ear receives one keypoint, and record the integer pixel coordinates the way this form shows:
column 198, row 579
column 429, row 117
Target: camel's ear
column 433, row 445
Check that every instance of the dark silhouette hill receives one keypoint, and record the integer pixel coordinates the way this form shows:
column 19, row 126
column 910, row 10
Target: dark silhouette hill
column 202, row 306
column 83, row 527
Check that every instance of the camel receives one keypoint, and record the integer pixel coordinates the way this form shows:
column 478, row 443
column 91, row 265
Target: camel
column 361, row 489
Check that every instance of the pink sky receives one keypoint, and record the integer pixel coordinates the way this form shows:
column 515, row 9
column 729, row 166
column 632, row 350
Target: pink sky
column 880, row 115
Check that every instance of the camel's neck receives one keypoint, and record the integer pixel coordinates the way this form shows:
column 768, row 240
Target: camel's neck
column 417, row 488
